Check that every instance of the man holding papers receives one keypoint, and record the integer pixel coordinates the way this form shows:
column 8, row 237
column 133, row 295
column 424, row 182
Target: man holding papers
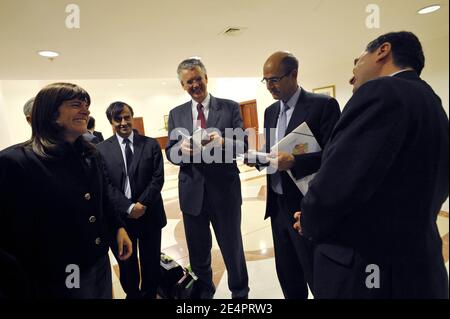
column 209, row 191
column 373, row 205
column 295, row 106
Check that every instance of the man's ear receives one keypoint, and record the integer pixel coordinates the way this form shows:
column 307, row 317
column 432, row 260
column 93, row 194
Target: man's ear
column 295, row 74
column 384, row 51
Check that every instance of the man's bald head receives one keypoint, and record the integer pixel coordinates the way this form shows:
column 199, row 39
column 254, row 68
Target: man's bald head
column 286, row 60
column 280, row 75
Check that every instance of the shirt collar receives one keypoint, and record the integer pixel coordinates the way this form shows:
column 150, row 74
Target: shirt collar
column 205, row 103
column 404, row 70
column 292, row 102
column 120, row 138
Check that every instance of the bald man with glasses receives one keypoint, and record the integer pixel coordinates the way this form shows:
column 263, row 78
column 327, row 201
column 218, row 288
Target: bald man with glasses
column 294, row 106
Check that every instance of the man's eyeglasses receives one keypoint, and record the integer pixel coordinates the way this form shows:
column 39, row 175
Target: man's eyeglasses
column 274, row 79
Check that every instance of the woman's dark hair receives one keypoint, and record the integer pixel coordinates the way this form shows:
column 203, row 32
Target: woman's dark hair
column 47, row 139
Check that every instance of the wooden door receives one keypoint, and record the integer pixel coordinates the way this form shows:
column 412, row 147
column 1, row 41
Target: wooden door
column 249, row 114
column 138, row 124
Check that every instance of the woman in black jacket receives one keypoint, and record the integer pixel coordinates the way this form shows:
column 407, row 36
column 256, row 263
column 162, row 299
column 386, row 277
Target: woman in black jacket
column 54, row 197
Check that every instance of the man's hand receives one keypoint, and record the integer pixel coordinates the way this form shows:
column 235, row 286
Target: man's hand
column 137, row 211
column 186, row 147
column 250, row 158
column 214, row 139
column 249, row 164
column 124, row 245
column 281, row 160
column 297, row 225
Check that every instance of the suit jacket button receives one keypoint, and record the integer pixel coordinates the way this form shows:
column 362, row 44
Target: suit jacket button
column 87, row 196
column 92, row 219
column 98, row 241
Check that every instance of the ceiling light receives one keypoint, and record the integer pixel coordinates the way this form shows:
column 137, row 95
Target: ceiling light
column 429, row 9
column 48, row 54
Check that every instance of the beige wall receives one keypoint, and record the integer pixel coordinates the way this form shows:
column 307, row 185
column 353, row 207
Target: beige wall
column 5, row 138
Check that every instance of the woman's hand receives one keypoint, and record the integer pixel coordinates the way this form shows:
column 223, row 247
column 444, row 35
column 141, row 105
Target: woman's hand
column 124, row 244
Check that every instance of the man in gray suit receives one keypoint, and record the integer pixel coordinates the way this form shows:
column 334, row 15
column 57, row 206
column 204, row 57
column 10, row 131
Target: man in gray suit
column 210, row 193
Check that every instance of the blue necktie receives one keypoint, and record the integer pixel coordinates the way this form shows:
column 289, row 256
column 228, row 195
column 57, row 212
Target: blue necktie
column 281, row 129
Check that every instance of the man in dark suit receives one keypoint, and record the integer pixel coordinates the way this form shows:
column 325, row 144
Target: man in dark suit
column 372, row 207
column 210, row 193
column 92, row 135
column 134, row 165
column 295, row 106
column 99, row 135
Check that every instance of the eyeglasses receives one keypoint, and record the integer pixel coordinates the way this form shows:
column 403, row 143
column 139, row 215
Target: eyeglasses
column 274, row 79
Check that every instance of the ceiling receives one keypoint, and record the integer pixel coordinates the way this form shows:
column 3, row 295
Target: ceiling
column 138, row 39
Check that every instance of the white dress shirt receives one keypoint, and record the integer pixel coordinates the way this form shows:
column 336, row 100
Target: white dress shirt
column 404, row 70
column 205, row 104
column 292, row 103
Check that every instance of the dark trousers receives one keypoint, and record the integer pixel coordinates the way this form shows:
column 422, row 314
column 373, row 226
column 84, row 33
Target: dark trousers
column 293, row 257
column 149, row 262
column 227, row 228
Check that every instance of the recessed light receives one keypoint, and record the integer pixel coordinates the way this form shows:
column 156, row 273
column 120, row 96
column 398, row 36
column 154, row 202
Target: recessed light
column 429, row 9
column 48, row 54
column 196, row 57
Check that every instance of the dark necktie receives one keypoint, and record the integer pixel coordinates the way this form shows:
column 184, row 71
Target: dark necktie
column 282, row 125
column 128, row 154
column 201, row 116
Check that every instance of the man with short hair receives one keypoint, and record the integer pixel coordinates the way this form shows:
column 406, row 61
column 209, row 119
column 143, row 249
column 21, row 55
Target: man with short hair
column 135, row 167
column 89, row 135
column 372, row 207
column 294, row 106
column 210, row 193
column 28, row 109
column 91, row 128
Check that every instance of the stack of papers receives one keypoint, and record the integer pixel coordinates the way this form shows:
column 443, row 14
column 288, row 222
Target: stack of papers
column 299, row 141
column 199, row 137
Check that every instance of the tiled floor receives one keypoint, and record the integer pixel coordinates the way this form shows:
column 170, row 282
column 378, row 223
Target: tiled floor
column 256, row 234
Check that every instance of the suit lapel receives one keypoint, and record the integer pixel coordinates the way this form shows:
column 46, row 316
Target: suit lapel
column 271, row 126
column 214, row 113
column 116, row 153
column 273, row 119
column 186, row 120
column 300, row 112
column 137, row 146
